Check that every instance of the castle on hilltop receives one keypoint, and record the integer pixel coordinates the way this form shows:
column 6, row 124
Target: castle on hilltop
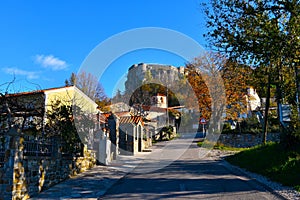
column 138, row 73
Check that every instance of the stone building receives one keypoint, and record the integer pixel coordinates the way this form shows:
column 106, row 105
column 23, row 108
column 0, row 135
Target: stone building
column 160, row 100
column 138, row 73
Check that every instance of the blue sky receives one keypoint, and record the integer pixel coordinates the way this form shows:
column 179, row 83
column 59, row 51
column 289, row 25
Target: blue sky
column 43, row 42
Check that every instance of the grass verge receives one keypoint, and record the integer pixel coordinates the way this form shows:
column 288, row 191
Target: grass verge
column 272, row 161
column 208, row 144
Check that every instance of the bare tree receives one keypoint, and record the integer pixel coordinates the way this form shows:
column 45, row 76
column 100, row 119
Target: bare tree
column 88, row 84
column 23, row 111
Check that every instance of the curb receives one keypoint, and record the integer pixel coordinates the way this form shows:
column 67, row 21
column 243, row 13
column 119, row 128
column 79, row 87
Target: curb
column 247, row 174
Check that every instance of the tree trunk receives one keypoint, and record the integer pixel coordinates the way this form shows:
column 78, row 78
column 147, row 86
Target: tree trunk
column 297, row 90
column 279, row 96
column 265, row 127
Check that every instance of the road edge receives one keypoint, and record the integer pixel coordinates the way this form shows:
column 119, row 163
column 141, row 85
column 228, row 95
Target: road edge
column 234, row 168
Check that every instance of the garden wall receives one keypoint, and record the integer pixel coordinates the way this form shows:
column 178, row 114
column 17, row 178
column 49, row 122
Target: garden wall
column 25, row 172
column 246, row 140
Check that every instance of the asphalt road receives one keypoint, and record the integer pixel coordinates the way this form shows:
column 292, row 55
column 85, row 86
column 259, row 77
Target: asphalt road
column 187, row 177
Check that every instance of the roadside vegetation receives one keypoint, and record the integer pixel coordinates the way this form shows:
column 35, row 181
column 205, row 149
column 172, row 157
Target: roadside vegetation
column 251, row 125
column 261, row 41
column 273, row 161
column 165, row 134
column 219, row 146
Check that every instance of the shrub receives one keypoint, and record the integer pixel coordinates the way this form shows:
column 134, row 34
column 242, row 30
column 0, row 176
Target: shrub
column 227, row 128
column 291, row 135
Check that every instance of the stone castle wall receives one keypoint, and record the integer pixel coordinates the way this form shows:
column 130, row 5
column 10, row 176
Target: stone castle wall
column 164, row 73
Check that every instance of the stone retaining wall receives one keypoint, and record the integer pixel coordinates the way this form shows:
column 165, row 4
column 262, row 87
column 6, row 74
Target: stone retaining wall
column 24, row 176
column 246, row 140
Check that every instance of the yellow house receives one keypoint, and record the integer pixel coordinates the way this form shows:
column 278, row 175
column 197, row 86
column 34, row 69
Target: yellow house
column 27, row 107
column 85, row 120
column 70, row 95
column 25, row 147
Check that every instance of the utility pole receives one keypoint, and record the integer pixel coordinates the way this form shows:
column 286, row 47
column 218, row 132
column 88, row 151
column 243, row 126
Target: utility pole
column 167, row 110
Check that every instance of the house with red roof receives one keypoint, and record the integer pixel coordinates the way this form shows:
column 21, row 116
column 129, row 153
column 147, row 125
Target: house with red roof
column 131, row 135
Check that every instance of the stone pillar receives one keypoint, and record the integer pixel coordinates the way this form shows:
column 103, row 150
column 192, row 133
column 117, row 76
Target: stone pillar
column 12, row 175
column 7, row 171
column 113, row 124
column 19, row 179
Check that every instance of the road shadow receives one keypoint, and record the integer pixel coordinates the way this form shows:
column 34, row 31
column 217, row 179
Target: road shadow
column 184, row 179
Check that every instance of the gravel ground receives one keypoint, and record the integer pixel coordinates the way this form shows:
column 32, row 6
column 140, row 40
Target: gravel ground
column 284, row 191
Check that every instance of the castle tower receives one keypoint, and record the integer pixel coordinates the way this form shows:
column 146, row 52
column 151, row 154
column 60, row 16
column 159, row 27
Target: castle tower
column 160, row 101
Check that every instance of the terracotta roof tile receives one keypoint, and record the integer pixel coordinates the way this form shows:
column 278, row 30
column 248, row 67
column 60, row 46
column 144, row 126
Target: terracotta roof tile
column 131, row 119
column 35, row 91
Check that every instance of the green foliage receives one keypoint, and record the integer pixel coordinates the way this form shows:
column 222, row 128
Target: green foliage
column 251, row 125
column 167, row 129
column 166, row 133
column 173, row 113
column 291, row 136
column 273, row 161
column 208, row 144
column 143, row 94
column 103, row 105
column 227, row 128
column 60, row 123
column 263, row 35
column 295, row 123
column 255, row 31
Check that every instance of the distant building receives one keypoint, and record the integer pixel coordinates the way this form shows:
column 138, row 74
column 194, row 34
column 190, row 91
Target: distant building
column 253, row 100
column 160, row 100
column 138, row 73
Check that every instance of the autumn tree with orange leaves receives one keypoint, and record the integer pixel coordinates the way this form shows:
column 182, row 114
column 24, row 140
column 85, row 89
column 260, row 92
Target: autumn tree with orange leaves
column 235, row 80
column 201, row 90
